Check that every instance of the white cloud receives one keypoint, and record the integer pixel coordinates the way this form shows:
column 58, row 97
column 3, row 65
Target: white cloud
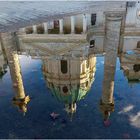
column 126, row 109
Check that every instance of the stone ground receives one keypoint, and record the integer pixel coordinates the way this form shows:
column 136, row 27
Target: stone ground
column 14, row 15
column 18, row 14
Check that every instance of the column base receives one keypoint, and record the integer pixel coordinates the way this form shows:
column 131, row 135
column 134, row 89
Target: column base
column 23, row 100
column 107, row 107
column 21, row 103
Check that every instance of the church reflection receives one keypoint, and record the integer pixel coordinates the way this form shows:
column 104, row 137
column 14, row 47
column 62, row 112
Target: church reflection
column 68, row 75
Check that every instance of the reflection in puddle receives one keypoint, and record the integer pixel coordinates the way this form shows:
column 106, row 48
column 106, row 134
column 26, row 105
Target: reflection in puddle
column 130, row 63
column 70, row 76
column 69, row 51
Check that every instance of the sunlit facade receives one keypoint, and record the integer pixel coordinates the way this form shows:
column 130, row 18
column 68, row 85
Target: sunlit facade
column 130, row 64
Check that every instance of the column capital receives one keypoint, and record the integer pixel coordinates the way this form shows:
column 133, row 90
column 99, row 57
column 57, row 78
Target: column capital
column 114, row 16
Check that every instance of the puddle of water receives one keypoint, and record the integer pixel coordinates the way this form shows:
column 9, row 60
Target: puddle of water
column 60, row 88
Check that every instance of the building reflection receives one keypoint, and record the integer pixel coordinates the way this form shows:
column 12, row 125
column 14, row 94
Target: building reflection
column 69, row 70
column 130, row 64
column 20, row 99
column 70, row 76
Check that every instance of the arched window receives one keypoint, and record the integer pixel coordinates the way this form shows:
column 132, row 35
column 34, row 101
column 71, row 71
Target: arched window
column 92, row 43
column 93, row 19
column 138, row 44
column 64, row 68
column 65, row 89
column 56, row 24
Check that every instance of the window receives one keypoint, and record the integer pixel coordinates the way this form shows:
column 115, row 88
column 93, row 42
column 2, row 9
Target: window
column 131, row 4
column 138, row 44
column 64, row 68
column 92, row 43
column 86, row 83
column 56, row 24
column 65, row 89
column 93, row 19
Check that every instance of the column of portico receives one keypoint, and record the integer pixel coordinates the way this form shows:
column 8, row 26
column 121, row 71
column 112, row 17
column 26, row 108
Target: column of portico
column 61, row 26
column 45, row 27
column 14, row 66
column 34, row 29
column 72, row 24
column 84, row 23
column 23, row 30
column 112, row 37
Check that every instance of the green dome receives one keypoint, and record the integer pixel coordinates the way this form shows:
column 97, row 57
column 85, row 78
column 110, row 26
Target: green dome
column 73, row 95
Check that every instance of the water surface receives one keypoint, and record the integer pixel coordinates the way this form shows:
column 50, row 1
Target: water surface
column 86, row 122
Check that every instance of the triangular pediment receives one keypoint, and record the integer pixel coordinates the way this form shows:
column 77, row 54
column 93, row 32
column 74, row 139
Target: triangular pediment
column 55, row 48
